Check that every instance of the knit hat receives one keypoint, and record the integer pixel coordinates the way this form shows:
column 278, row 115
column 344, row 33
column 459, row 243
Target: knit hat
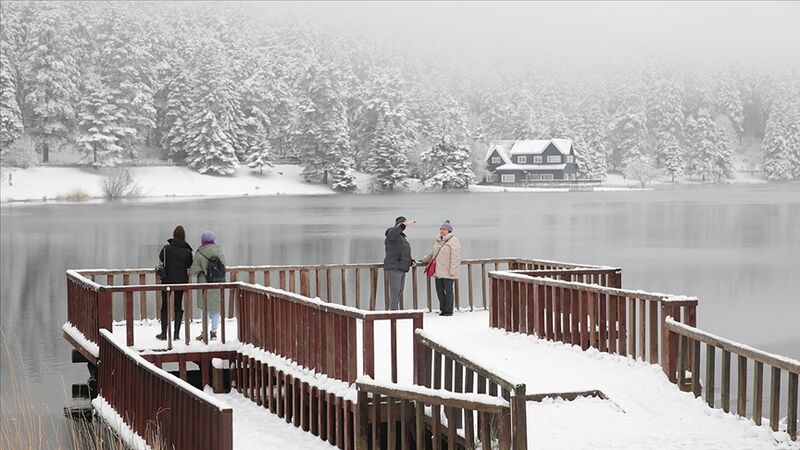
column 446, row 225
column 399, row 220
column 207, row 237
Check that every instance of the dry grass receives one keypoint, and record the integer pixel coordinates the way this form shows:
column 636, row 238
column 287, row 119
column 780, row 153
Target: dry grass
column 75, row 195
column 25, row 426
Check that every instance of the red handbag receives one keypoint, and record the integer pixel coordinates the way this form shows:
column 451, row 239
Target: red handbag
column 430, row 269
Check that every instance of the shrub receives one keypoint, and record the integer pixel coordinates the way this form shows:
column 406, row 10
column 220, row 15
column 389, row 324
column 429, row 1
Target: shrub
column 75, row 195
column 21, row 153
column 119, row 184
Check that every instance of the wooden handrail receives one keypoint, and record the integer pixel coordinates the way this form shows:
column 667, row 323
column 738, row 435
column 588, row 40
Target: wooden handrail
column 161, row 406
column 501, row 379
column 476, row 402
column 761, row 356
column 673, row 299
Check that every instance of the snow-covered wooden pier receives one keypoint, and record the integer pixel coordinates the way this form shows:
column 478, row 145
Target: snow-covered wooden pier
column 540, row 354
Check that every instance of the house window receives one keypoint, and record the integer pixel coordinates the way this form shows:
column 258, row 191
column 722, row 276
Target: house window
column 554, row 158
column 533, row 177
column 570, row 158
column 496, row 160
column 522, row 159
column 547, row 176
column 537, row 159
column 507, row 178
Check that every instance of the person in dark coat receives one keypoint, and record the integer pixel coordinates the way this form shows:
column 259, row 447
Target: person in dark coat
column 397, row 260
column 177, row 258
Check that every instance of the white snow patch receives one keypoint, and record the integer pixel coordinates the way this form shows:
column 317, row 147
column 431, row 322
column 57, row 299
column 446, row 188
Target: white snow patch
column 81, row 339
column 256, row 428
column 38, row 183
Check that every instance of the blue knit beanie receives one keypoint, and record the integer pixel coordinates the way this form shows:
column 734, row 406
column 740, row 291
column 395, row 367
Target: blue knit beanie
column 446, row 225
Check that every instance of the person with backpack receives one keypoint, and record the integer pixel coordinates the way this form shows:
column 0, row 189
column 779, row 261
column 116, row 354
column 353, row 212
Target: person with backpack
column 175, row 258
column 209, row 267
column 443, row 261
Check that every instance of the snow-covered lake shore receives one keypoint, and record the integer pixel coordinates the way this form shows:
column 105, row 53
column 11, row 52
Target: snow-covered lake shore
column 160, row 183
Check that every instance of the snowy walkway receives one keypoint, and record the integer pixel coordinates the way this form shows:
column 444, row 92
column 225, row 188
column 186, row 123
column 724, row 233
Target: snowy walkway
column 650, row 412
column 645, row 410
column 255, row 428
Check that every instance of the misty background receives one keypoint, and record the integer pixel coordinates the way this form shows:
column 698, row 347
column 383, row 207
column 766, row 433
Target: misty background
column 686, row 91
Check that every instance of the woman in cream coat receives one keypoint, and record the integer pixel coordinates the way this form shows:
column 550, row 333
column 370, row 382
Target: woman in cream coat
column 447, row 251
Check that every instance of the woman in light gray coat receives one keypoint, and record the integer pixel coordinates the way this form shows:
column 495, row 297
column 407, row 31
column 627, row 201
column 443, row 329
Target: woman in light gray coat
column 447, row 253
column 208, row 251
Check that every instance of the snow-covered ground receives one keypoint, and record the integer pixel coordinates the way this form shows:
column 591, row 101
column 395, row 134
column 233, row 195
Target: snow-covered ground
column 173, row 182
column 644, row 410
column 51, row 183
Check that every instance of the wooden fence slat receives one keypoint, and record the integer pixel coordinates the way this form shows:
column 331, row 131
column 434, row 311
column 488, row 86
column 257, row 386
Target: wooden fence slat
column 741, row 384
column 758, row 390
column 775, row 399
column 726, row 381
column 791, row 416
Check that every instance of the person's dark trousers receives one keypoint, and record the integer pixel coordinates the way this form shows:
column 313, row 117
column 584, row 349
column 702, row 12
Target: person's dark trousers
column 165, row 313
column 444, row 290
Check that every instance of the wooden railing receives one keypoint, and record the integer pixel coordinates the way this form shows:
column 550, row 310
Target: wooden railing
column 688, row 341
column 624, row 322
column 156, row 404
column 317, row 335
column 441, row 367
column 404, row 407
column 88, row 306
column 609, row 277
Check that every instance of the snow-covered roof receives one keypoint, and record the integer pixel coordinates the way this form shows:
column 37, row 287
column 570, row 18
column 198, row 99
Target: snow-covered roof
column 508, row 148
column 528, row 147
column 563, row 145
column 502, row 147
column 511, row 166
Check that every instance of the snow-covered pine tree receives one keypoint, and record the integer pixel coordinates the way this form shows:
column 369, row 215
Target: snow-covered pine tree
column 388, row 160
column 627, row 133
column 590, row 140
column 121, row 59
column 259, row 152
column 10, row 116
column 176, row 114
column 781, row 144
column 321, row 135
column 343, row 178
column 215, row 120
column 665, row 118
column 52, row 75
column 384, row 102
column 709, row 155
column 673, row 158
column 99, row 125
column 447, row 166
column 728, row 101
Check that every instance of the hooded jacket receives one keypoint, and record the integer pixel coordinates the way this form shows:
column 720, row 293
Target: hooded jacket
column 398, row 250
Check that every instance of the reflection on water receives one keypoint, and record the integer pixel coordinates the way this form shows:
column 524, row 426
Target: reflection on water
column 737, row 249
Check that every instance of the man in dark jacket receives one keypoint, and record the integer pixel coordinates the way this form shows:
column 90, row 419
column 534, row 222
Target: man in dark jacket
column 398, row 259
column 177, row 258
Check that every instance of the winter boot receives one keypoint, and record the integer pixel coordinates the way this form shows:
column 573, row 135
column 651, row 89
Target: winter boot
column 178, row 321
column 164, row 326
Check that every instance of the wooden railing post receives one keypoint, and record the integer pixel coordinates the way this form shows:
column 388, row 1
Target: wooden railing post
column 519, row 419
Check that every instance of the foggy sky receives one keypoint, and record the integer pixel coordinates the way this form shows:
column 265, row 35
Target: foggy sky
column 574, row 32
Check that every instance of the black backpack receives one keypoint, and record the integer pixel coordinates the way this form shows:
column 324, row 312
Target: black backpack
column 215, row 271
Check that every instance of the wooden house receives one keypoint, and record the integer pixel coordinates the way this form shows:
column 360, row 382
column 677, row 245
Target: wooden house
column 522, row 161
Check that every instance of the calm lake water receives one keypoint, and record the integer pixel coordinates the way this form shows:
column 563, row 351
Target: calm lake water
column 736, row 248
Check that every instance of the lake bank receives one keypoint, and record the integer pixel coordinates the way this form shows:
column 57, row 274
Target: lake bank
column 43, row 184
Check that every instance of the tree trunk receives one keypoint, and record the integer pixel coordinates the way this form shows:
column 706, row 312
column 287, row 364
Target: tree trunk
column 45, row 152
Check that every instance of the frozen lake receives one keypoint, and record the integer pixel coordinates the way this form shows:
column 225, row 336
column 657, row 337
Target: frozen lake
column 736, row 248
